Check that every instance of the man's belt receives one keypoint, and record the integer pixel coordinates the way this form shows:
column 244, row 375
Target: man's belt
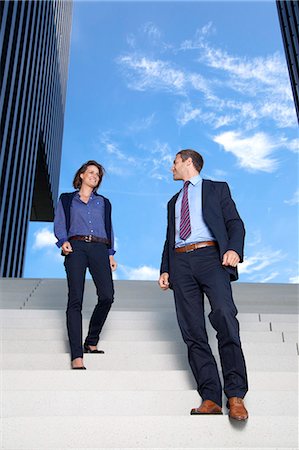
column 89, row 238
column 192, row 247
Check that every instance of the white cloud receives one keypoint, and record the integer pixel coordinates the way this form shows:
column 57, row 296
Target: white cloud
column 264, row 79
column 224, row 120
column 152, row 31
column 252, row 153
column 260, row 261
column 113, row 149
column 220, row 174
column 43, row 238
column 292, row 145
column 187, row 113
column 114, row 275
column 146, row 73
column 161, row 160
column 140, row 273
column 282, row 113
column 255, row 238
column 117, row 170
column 269, row 277
column 155, row 158
column 131, row 40
column 294, row 280
column 197, row 42
column 261, row 83
column 294, row 200
column 141, row 124
column 153, row 74
column 116, row 243
column 266, row 70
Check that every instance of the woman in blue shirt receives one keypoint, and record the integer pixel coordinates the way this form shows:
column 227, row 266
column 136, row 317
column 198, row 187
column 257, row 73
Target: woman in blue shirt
column 84, row 231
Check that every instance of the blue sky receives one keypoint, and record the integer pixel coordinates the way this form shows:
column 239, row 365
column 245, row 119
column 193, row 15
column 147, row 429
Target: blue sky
column 147, row 79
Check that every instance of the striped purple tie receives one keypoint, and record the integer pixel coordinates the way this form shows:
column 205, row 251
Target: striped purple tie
column 185, row 225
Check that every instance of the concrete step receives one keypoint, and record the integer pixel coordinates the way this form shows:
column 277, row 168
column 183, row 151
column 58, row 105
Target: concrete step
column 249, row 297
column 120, row 324
column 148, row 432
column 111, row 380
column 139, row 394
column 162, row 334
column 284, row 326
column 289, row 336
column 279, row 318
column 142, row 362
column 129, row 403
column 143, row 347
column 115, row 314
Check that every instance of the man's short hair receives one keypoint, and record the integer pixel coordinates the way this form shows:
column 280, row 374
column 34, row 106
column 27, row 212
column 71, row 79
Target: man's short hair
column 197, row 159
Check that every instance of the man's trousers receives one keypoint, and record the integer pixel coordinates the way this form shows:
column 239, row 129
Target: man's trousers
column 195, row 274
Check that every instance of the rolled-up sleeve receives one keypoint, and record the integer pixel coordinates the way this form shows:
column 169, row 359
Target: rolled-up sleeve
column 111, row 250
column 60, row 225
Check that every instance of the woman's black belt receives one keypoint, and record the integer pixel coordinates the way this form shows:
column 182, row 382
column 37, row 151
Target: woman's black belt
column 89, row 238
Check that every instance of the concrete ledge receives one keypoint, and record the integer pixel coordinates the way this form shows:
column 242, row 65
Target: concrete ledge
column 111, row 380
column 132, row 403
column 148, row 432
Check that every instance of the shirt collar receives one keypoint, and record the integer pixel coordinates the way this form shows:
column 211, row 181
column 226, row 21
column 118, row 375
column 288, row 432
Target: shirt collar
column 90, row 198
column 195, row 180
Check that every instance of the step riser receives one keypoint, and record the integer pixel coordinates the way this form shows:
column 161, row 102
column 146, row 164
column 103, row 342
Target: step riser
column 154, row 347
column 138, row 335
column 118, row 324
column 166, row 380
column 148, row 432
column 50, row 314
column 139, row 394
column 131, row 362
column 158, row 403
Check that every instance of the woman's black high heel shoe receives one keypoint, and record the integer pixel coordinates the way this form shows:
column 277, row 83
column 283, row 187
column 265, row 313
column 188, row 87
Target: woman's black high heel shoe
column 87, row 349
column 79, row 368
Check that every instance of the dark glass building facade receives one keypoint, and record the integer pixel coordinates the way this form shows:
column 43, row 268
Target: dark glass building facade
column 34, row 52
column 288, row 13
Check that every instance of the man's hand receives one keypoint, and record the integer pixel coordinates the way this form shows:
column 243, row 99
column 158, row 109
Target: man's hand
column 230, row 258
column 164, row 281
column 66, row 248
column 113, row 263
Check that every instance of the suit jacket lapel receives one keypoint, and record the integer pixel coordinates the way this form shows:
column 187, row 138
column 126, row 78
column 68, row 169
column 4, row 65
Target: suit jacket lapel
column 172, row 217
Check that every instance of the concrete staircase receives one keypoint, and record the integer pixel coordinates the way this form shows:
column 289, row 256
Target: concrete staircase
column 138, row 395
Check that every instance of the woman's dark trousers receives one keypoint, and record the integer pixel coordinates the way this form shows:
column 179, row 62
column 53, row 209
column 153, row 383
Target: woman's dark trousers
column 94, row 256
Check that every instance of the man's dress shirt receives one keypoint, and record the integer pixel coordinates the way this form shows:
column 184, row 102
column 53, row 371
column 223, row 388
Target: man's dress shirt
column 199, row 230
column 86, row 219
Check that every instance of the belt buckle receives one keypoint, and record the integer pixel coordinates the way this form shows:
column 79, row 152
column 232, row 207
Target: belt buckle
column 191, row 250
column 88, row 238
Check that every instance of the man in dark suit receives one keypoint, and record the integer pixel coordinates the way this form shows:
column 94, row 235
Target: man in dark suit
column 204, row 244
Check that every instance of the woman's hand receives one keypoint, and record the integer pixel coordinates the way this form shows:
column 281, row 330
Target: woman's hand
column 66, row 248
column 113, row 263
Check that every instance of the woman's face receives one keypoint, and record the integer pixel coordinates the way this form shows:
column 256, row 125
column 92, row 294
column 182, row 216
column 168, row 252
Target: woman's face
column 90, row 177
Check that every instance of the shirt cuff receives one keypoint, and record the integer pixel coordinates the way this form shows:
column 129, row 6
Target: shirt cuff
column 61, row 241
column 111, row 252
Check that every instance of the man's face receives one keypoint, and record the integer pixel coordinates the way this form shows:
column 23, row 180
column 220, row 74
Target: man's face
column 91, row 176
column 179, row 168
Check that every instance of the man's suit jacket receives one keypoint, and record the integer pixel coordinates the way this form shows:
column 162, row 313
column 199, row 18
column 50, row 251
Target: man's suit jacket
column 221, row 216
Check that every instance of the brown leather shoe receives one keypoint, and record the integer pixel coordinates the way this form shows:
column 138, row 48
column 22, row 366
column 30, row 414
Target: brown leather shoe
column 207, row 407
column 237, row 409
